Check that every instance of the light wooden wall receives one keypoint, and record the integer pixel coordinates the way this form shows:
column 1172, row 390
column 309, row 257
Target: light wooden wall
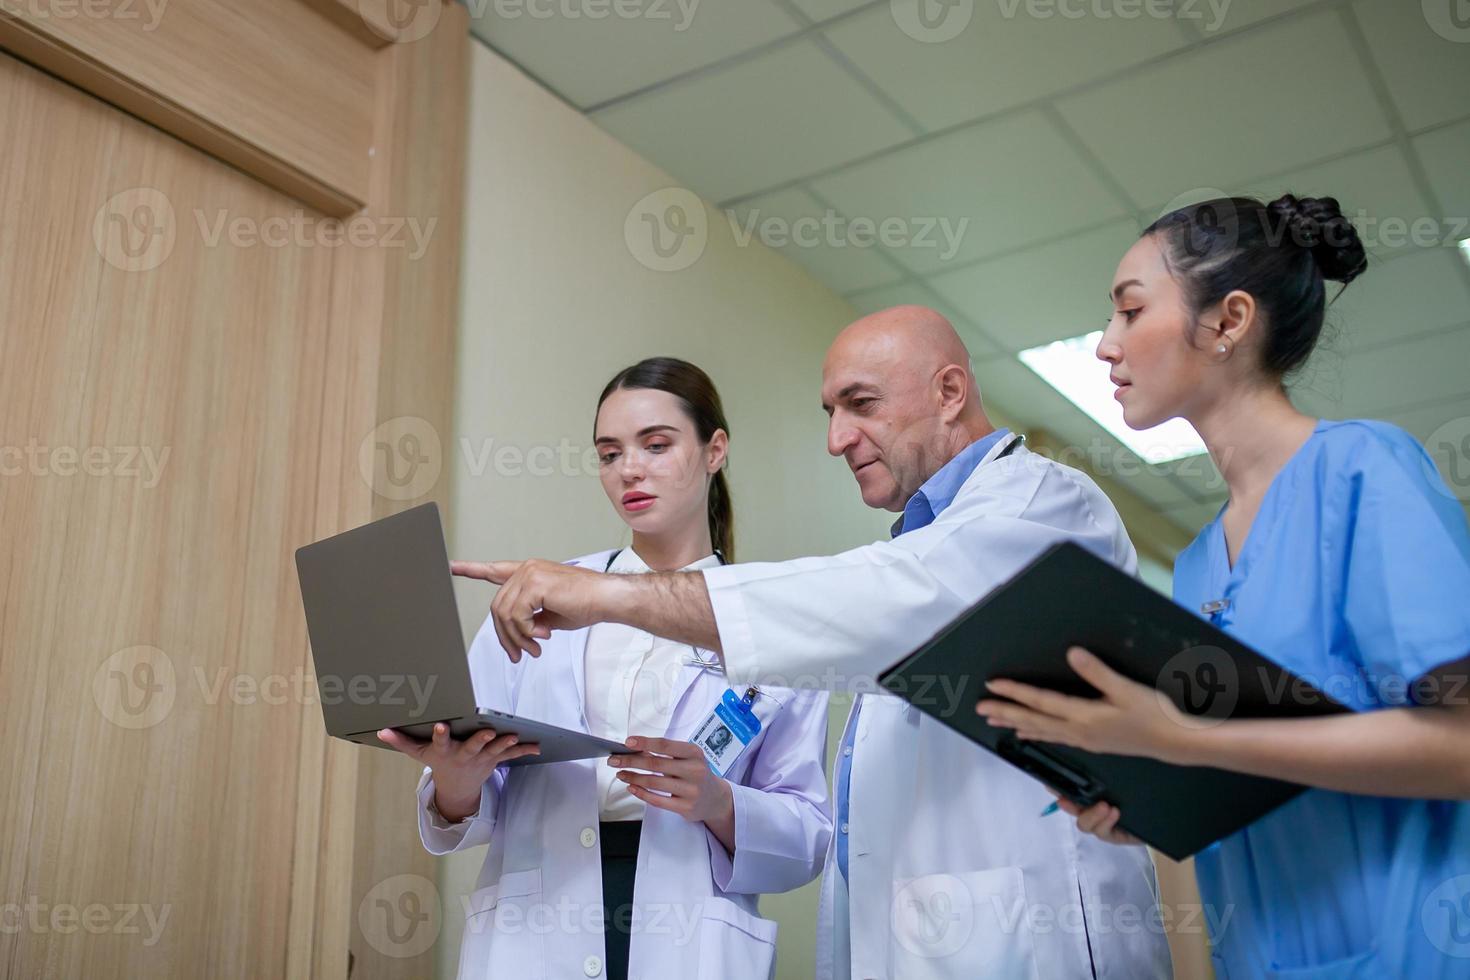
column 157, row 823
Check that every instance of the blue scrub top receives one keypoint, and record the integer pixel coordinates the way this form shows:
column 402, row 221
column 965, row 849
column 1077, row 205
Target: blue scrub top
column 1356, row 576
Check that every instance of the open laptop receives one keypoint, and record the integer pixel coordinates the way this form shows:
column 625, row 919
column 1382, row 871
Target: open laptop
column 386, row 641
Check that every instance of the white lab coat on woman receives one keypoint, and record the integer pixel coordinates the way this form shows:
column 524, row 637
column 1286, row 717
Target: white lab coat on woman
column 952, row 872
column 535, row 912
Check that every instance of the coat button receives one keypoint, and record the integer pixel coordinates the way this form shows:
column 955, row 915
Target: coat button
column 592, row 966
column 589, row 837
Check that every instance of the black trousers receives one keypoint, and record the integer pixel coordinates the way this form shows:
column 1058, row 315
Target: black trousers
column 619, row 841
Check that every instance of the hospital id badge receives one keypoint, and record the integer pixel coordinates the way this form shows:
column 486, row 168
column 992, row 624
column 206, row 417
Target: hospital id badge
column 730, row 727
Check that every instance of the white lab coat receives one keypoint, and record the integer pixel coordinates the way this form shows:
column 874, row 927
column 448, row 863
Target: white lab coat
column 535, row 909
column 952, row 872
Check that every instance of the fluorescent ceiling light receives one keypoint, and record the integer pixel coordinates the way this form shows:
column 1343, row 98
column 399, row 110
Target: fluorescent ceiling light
column 1072, row 368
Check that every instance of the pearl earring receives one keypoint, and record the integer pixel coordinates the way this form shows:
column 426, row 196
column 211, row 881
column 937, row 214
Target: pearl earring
column 1221, row 348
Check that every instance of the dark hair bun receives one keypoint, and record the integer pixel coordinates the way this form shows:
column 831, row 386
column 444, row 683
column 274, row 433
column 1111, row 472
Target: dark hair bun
column 1317, row 225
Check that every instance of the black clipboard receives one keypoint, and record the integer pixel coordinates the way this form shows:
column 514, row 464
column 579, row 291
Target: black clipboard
column 1070, row 597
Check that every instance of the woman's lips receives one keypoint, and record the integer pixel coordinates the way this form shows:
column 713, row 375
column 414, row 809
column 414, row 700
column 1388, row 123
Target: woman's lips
column 638, row 501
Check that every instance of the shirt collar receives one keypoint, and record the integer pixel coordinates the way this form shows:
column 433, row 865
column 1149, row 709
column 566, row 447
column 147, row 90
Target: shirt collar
column 628, row 560
column 939, row 491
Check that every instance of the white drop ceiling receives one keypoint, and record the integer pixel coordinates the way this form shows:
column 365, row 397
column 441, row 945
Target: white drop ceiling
column 1058, row 137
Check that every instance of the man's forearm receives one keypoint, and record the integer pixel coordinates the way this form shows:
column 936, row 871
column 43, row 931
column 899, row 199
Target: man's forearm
column 674, row 605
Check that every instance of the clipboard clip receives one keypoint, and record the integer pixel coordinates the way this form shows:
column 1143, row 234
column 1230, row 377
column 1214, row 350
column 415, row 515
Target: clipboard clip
column 1066, row 779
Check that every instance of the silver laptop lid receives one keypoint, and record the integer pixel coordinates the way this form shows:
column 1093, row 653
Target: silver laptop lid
column 384, row 628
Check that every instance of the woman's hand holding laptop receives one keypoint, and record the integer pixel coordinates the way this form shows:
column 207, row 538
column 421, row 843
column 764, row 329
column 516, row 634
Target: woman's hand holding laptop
column 460, row 768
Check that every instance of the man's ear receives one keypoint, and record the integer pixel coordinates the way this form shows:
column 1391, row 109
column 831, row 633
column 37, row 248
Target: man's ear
column 717, row 451
column 954, row 388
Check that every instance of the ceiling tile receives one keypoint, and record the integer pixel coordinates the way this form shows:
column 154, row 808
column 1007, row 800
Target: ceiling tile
column 1444, row 430
column 1400, row 376
column 1089, row 447
column 917, row 293
column 1218, row 17
column 1193, row 517
column 757, row 124
column 799, row 227
column 1199, row 474
column 1217, row 116
column 1375, row 189
column 982, row 190
column 1427, row 70
column 1042, row 294
column 590, row 60
column 1398, row 299
column 819, row 10
column 1003, row 57
column 1019, row 393
column 1445, row 154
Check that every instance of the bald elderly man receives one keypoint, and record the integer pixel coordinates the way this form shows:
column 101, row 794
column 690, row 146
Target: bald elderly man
column 941, row 866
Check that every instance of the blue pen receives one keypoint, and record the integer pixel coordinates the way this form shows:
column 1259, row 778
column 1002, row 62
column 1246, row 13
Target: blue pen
column 1055, row 806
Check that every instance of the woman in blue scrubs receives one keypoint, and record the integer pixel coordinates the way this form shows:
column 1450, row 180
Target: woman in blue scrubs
column 1341, row 555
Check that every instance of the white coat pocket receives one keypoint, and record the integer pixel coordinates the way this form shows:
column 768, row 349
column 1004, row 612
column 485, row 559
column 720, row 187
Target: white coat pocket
column 503, row 934
column 735, row 943
column 973, row 925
